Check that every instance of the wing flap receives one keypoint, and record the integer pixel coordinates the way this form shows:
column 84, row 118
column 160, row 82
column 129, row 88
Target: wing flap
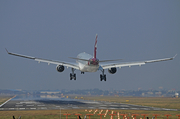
column 123, row 65
column 57, row 63
column 106, row 66
column 46, row 60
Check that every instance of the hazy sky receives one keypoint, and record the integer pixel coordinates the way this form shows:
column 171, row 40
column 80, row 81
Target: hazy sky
column 132, row 30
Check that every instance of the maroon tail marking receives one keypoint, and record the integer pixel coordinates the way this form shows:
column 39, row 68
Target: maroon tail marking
column 95, row 46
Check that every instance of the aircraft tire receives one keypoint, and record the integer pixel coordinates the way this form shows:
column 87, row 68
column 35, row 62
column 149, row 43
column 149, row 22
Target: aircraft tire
column 101, row 77
column 74, row 76
column 70, row 76
column 104, row 77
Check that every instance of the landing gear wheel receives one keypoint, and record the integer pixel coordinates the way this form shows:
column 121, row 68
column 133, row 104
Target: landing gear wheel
column 102, row 77
column 72, row 76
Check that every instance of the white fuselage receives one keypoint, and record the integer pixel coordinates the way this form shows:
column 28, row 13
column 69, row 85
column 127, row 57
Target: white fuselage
column 84, row 65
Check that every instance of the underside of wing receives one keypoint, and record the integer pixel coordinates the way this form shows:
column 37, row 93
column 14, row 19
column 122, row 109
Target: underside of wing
column 67, row 64
column 119, row 65
column 129, row 64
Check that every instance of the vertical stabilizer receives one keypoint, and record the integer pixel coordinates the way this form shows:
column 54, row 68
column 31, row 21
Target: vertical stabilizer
column 95, row 46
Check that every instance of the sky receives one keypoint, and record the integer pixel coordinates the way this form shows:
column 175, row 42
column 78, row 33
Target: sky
column 129, row 30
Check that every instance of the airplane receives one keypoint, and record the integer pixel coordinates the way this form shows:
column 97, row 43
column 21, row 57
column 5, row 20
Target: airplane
column 88, row 63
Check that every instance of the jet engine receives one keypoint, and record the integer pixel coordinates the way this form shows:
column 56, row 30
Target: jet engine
column 60, row 68
column 112, row 70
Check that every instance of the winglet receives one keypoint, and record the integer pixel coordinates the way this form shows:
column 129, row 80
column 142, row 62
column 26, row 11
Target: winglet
column 6, row 50
column 174, row 56
column 24, row 56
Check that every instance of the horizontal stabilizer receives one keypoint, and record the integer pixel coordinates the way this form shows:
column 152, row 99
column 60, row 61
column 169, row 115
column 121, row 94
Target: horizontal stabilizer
column 99, row 61
column 78, row 59
column 110, row 60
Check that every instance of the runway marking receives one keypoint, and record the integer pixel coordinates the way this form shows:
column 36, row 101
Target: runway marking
column 92, row 102
column 28, row 102
column 103, row 105
column 91, row 107
column 167, row 109
column 22, row 108
column 11, row 108
column 113, row 108
column 6, row 101
column 1, row 108
column 29, row 105
column 124, row 106
column 75, row 107
column 40, row 105
column 33, row 108
column 114, row 105
column 156, row 109
column 18, row 105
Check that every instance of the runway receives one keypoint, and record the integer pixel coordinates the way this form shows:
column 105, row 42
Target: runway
column 37, row 103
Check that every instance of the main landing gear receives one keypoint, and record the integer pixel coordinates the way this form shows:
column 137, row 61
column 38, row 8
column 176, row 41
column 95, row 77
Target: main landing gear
column 73, row 75
column 103, row 76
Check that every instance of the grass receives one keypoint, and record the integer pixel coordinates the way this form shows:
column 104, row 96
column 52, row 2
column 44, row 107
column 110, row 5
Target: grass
column 161, row 102
column 173, row 103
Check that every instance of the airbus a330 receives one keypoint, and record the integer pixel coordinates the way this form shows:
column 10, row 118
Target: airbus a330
column 88, row 63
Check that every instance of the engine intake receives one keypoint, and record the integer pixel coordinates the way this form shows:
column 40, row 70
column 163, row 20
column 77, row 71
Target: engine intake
column 60, row 68
column 112, row 70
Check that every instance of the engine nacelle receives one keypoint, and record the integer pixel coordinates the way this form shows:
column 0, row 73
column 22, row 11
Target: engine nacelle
column 112, row 70
column 60, row 68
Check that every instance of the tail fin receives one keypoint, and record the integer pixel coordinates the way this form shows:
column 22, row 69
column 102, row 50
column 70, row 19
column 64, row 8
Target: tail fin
column 95, row 46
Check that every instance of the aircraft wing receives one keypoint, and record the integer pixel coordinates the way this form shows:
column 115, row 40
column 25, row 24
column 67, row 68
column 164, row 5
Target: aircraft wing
column 46, row 61
column 129, row 64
